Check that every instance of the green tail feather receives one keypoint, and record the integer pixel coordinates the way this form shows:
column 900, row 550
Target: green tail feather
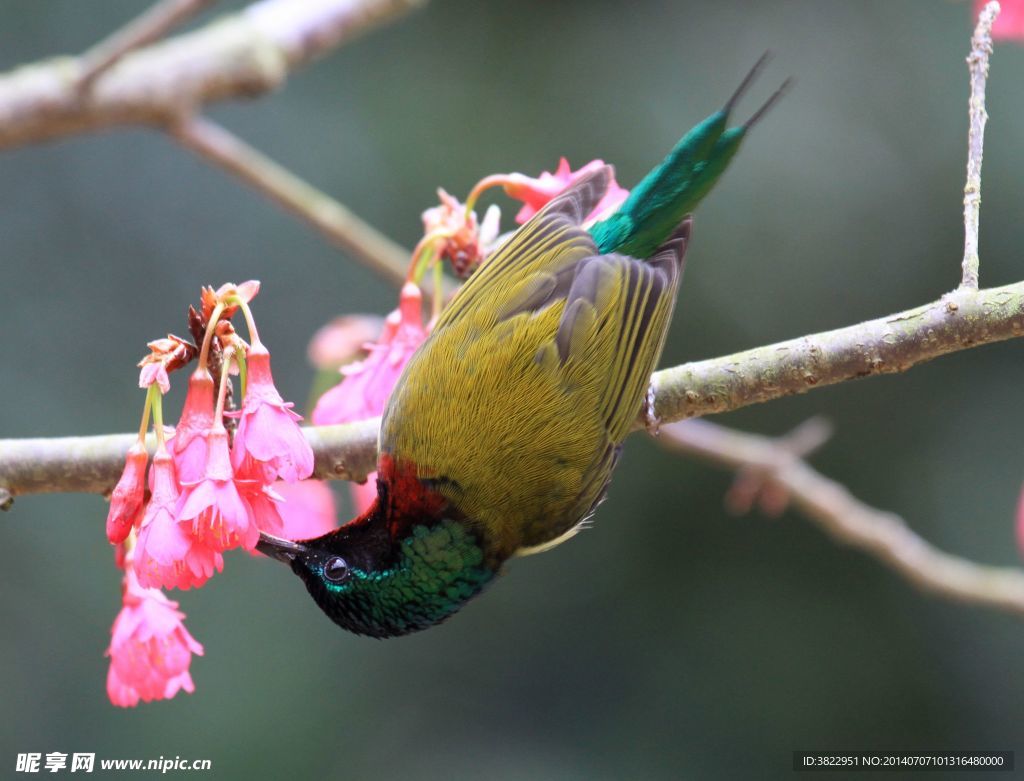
column 673, row 188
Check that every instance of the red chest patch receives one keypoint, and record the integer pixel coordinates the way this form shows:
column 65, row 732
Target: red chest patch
column 408, row 501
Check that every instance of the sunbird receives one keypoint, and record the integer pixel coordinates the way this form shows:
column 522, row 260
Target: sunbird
column 501, row 435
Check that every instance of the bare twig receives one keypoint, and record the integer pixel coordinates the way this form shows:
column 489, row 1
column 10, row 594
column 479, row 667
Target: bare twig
column 753, row 484
column 217, row 145
column 241, row 55
column 150, row 26
column 830, row 505
column 977, row 63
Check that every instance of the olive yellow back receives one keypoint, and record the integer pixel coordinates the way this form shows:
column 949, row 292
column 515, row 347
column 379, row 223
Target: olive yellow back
column 516, row 406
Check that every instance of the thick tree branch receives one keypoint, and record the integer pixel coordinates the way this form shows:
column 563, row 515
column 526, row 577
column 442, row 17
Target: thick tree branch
column 830, row 505
column 150, row 26
column 962, row 319
column 93, row 464
column 240, row 55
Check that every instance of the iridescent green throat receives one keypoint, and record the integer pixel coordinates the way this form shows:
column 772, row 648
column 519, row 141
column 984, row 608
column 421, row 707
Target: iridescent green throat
column 417, row 582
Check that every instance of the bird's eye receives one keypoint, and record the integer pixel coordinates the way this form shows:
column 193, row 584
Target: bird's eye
column 336, row 569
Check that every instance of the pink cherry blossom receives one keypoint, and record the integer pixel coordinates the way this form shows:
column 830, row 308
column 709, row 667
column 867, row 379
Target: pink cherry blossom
column 150, row 649
column 342, row 340
column 306, row 508
column 535, row 193
column 164, row 355
column 126, row 502
column 189, row 444
column 368, row 383
column 219, row 516
column 167, row 554
column 154, row 374
column 228, row 294
column 268, row 431
column 265, row 503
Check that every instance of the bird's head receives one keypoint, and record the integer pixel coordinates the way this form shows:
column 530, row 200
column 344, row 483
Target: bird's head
column 388, row 573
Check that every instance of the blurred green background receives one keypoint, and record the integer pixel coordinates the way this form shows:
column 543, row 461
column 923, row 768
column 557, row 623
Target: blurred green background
column 671, row 640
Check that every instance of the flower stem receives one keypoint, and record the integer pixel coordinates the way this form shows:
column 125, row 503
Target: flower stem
column 426, row 258
column 484, row 184
column 222, row 392
column 155, row 400
column 243, row 369
column 211, row 326
column 144, row 425
column 250, row 323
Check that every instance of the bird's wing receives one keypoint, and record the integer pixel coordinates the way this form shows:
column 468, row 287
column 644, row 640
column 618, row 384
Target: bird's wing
column 616, row 315
column 536, row 264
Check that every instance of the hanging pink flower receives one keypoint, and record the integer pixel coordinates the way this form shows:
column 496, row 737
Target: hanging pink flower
column 154, row 374
column 341, row 340
column 268, row 431
column 218, row 514
column 535, row 193
column 306, row 509
column 150, row 649
column 164, row 355
column 189, row 443
column 368, row 383
column 1009, row 24
column 264, row 501
column 126, row 501
column 167, row 554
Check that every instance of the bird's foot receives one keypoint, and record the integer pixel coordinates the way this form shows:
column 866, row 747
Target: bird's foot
column 651, row 421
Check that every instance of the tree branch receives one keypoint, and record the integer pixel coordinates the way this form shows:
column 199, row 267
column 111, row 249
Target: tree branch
column 93, row 464
column 962, row 319
column 241, row 55
column 977, row 63
column 149, row 27
column 829, row 504
column 225, row 150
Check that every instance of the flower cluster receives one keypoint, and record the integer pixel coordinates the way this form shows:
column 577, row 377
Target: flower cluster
column 150, row 649
column 209, row 492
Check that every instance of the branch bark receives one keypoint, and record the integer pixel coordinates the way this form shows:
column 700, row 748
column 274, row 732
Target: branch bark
column 241, row 55
column 961, row 319
column 150, row 26
column 830, row 505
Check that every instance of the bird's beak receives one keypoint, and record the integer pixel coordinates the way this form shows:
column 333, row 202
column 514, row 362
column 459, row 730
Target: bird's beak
column 279, row 548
